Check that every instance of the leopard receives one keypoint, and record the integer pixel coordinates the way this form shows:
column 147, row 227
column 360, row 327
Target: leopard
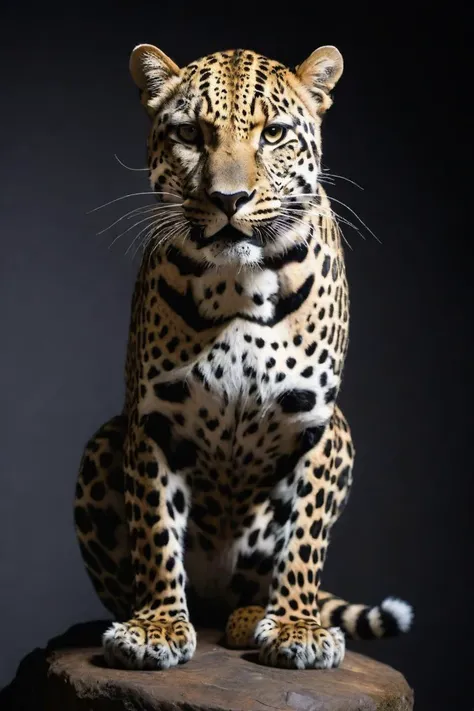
column 215, row 490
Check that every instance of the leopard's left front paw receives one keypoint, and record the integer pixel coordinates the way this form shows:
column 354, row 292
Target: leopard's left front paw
column 299, row 645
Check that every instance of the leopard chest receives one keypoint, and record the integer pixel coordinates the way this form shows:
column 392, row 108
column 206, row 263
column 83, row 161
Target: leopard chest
column 245, row 398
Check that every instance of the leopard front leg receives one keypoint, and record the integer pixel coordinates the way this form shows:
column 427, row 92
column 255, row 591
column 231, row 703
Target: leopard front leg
column 290, row 634
column 158, row 635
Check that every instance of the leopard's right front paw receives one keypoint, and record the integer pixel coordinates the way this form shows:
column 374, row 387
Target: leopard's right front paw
column 140, row 644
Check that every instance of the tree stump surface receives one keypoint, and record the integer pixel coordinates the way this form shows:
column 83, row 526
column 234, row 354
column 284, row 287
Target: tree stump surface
column 70, row 675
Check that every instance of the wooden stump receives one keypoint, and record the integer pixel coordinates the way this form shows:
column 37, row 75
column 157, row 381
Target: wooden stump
column 74, row 678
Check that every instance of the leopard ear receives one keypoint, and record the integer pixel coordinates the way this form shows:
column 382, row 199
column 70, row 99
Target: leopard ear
column 320, row 74
column 154, row 73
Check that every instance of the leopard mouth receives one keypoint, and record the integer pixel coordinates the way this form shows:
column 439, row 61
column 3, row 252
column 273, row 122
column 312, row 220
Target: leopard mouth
column 231, row 234
column 228, row 235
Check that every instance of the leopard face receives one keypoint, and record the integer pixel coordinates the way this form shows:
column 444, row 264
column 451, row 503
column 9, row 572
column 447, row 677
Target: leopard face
column 235, row 145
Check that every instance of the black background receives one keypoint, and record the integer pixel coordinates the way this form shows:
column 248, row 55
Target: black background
column 398, row 127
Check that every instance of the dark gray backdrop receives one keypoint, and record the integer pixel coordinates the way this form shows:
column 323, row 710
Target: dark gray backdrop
column 397, row 127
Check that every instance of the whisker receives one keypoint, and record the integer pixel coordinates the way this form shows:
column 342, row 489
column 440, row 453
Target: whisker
column 341, row 234
column 150, row 217
column 331, row 215
column 308, row 195
column 293, row 214
column 136, row 211
column 150, row 232
column 271, row 230
column 357, row 216
column 328, row 180
column 285, row 226
column 127, row 166
column 123, row 197
column 338, row 218
column 172, row 232
column 156, row 222
column 292, row 218
column 147, row 238
column 144, row 229
column 143, row 243
column 343, row 177
column 295, row 195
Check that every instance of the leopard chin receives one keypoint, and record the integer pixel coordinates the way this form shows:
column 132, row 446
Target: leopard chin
column 246, row 252
column 228, row 246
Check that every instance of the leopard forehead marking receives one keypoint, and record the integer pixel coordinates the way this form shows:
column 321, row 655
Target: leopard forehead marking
column 234, row 95
column 237, row 91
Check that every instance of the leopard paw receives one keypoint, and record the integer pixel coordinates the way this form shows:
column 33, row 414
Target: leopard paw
column 299, row 645
column 141, row 644
column 240, row 628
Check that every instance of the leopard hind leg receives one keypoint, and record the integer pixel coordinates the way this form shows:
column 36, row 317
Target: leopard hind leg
column 100, row 520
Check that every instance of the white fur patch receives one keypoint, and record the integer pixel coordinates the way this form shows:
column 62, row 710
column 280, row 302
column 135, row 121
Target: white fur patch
column 401, row 610
column 243, row 253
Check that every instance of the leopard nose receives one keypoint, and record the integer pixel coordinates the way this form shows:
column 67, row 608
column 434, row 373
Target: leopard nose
column 229, row 203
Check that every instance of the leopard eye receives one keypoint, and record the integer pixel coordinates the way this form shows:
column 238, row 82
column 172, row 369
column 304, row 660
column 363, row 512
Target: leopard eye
column 187, row 133
column 274, row 134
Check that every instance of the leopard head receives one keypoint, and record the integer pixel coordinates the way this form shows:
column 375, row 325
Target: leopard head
column 235, row 148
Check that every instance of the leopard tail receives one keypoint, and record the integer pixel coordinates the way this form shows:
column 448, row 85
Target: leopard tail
column 392, row 617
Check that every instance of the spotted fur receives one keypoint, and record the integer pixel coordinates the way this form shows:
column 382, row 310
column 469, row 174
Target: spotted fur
column 231, row 461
